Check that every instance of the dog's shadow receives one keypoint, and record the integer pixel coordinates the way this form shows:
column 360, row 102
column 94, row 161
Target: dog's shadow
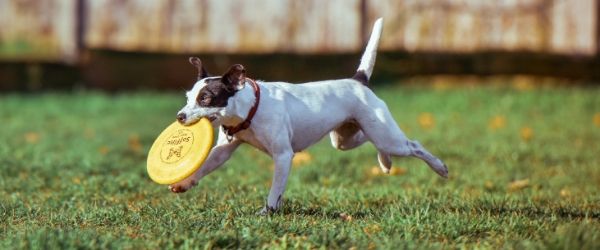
column 324, row 212
column 378, row 210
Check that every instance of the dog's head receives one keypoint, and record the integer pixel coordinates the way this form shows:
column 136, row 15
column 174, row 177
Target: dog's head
column 210, row 95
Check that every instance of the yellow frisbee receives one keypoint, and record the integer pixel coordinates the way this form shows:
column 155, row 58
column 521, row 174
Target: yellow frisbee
column 179, row 151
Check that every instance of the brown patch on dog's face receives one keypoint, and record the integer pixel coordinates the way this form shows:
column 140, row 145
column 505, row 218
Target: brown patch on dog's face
column 214, row 94
column 217, row 91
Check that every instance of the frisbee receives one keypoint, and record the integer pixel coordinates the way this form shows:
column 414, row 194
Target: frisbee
column 179, row 151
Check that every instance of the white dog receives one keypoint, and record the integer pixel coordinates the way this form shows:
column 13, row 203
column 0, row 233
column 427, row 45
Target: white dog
column 281, row 118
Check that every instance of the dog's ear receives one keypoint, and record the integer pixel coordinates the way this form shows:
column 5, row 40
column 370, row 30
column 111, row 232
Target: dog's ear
column 202, row 73
column 234, row 78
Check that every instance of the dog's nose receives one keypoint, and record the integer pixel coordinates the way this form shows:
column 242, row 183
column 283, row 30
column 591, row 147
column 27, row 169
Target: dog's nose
column 181, row 117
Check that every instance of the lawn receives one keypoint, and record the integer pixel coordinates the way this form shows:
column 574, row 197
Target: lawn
column 524, row 173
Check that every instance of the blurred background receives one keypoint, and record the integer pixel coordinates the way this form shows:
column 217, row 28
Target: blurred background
column 504, row 91
column 144, row 44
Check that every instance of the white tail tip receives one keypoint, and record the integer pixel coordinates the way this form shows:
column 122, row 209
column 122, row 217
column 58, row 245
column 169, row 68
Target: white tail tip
column 367, row 62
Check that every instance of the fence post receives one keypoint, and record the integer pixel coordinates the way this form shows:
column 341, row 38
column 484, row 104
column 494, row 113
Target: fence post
column 364, row 19
column 80, row 26
column 597, row 30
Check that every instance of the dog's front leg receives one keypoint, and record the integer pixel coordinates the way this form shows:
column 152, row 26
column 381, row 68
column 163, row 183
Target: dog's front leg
column 217, row 156
column 283, row 162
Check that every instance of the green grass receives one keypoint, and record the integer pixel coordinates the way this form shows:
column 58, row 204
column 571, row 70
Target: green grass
column 73, row 176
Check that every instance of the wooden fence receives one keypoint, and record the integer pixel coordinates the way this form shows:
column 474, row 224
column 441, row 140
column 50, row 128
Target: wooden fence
column 114, row 44
column 38, row 30
column 59, row 30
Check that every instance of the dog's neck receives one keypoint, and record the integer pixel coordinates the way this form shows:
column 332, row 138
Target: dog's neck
column 239, row 105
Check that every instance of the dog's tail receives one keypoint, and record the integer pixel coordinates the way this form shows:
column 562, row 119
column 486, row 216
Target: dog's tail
column 367, row 62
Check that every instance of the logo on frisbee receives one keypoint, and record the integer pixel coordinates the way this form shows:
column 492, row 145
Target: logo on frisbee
column 176, row 146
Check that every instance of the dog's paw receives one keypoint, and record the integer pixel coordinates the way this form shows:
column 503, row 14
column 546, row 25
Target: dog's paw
column 440, row 169
column 183, row 186
column 385, row 170
column 385, row 162
column 266, row 211
column 444, row 171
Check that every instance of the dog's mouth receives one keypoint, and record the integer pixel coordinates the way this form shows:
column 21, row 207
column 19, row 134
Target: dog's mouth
column 210, row 118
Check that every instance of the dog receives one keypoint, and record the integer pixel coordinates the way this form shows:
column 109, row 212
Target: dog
column 281, row 119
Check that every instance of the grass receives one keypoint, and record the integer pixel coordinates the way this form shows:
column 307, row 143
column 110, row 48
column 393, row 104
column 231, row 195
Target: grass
column 523, row 162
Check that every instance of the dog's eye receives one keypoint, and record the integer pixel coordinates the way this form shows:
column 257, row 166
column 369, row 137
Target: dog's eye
column 205, row 100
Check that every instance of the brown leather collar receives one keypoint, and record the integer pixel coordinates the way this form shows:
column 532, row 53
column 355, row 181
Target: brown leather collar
column 230, row 131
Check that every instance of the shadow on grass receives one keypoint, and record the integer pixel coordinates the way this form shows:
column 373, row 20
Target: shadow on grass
column 535, row 212
column 479, row 209
column 322, row 212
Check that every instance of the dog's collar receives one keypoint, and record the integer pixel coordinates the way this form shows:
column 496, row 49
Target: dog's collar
column 232, row 130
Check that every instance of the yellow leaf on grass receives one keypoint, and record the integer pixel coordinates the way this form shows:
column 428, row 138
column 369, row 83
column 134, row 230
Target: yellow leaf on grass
column 597, row 119
column 397, row 171
column 376, row 171
column 497, row 122
column 32, row 137
column 426, row 120
column 518, row 185
column 134, row 143
column 565, row 192
column 526, row 133
column 104, row 150
column 301, row 158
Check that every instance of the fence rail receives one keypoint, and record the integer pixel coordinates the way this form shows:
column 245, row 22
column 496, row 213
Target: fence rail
column 58, row 30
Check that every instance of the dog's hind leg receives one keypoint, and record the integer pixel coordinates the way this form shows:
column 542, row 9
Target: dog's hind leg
column 382, row 131
column 347, row 136
column 406, row 147
column 385, row 162
column 417, row 150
